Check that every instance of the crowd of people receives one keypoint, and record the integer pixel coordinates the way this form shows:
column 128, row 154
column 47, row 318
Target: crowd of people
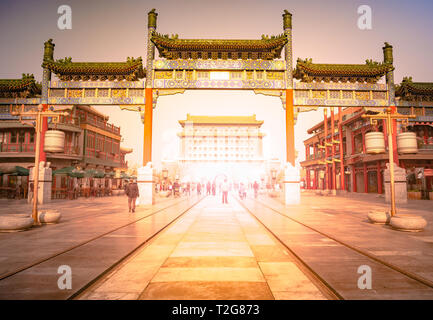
column 209, row 188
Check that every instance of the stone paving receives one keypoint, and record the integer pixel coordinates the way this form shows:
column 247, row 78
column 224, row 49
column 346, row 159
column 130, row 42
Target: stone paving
column 90, row 243
column 215, row 251
column 344, row 219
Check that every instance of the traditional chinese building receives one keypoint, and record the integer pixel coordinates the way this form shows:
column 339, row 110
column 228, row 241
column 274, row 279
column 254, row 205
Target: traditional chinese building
column 90, row 141
column 211, row 145
column 326, row 160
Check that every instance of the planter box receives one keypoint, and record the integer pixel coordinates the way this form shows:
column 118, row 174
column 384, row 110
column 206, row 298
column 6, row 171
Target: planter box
column 415, row 195
column 430, row 195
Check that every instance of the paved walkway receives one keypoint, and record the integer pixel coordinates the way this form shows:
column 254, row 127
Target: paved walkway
column 345, row 219
column 91, row 238
column 215, row 251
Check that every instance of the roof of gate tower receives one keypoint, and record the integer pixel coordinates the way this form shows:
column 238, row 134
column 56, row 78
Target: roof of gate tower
column 409, row 90
column 267, row 48
column 65, row 69
column 230, row 120
column 369, row 72
column 24, row 87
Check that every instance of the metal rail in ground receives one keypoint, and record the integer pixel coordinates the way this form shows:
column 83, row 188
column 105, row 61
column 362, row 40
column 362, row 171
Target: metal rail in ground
column 405, row 273
column 318, row 281
column 49, row 257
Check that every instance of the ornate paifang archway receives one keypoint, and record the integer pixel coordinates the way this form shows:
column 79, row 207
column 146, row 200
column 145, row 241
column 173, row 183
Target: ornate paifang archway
column 194, row 64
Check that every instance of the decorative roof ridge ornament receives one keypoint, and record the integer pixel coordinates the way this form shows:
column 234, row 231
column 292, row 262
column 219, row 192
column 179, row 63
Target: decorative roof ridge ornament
column 151, row 18
column 287, row 20
column 49, row 49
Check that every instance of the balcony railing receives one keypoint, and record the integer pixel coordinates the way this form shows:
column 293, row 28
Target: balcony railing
column 69, row 120
column 30, row 148
column 17, row 147
column 102, row 125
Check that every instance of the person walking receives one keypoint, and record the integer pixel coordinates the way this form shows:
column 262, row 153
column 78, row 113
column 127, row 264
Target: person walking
column 225, row 190
column 256, row 189
column 188, row 189
column 176, row 189
column 208, row 188
column 132, row 193
column 199, row 189
column 214, row 188
column 31, row 190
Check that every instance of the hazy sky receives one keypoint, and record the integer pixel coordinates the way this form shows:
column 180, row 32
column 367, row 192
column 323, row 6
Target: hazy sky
column 111, row 30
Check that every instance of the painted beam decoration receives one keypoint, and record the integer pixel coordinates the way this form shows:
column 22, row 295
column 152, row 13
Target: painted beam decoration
column 339, row 86
column 218, row 84
column 98, row 101
column 97, row 84
column 200, row 64
column 20, row 101
column 339, row 102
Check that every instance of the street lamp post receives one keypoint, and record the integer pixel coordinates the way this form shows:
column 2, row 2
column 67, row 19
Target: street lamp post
column 388, row 116
column 28, row 117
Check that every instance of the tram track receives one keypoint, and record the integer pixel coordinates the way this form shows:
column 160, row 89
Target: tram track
column 316, row 279
column 50, row 257
column 321, row 280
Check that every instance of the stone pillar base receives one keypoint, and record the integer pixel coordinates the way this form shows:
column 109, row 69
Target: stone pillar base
column 399, row 183
column 292, row 186
column 45, row 182
column 145, row 185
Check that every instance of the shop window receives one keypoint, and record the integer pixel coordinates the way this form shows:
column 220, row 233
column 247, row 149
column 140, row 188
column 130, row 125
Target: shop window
column 21, row 137
column 13, row 138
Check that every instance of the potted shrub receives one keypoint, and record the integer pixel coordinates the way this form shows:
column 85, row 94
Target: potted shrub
column 414, row 194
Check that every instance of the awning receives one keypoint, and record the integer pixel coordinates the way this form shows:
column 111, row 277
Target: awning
column 70, row 171
column 92, row 173
column 20, row 171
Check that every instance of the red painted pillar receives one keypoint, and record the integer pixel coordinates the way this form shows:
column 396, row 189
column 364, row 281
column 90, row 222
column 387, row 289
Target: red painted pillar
column 325, row 122
column 363, row 139
column 44, row 128
column 379, row 179
column 290, row 128
column 334, row 171
column 355, row 189
column 308, row 178
column 394, row 136
column 340, row 137
column 365, row 178
column 315, row 179
column 353, row 142
column 148, row 116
